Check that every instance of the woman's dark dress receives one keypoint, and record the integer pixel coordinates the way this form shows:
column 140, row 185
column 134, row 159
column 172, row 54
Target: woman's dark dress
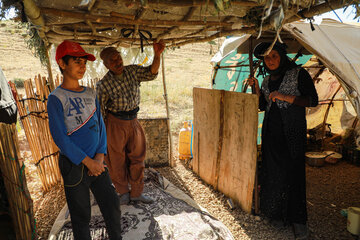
column 282, row 174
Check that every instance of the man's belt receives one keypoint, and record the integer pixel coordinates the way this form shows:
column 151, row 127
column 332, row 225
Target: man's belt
column 125, row 115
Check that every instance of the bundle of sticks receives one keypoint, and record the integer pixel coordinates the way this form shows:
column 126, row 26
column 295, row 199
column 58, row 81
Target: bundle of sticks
column 34, row 118
column 13, row 173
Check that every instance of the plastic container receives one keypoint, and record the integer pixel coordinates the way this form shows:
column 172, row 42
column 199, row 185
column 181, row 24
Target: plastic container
column 353, row 220
column 185, row 142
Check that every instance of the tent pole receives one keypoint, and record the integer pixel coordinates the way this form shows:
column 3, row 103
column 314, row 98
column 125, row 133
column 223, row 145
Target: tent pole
column 323, row 129
column 253, row 91
column 251, row 63
column 172, row 162
column 216, row 68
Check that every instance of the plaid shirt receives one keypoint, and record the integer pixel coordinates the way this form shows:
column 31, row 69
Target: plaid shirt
column 122, row 92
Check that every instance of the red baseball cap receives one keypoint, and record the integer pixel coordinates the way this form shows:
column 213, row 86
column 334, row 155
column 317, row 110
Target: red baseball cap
column 72, row 49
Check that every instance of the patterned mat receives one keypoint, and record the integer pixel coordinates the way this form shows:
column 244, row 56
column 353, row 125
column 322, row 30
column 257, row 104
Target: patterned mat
column 173, row 215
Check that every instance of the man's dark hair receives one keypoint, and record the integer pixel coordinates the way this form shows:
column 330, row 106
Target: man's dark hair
column 66, row 59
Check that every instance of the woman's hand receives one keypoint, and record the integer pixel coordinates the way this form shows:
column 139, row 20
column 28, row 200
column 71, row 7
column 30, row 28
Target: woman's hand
column 286, row 98
column 252, row 81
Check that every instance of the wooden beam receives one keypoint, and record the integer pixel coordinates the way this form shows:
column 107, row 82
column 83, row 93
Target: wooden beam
column 90, row 37
column 106, row 19
column 313, row 11
column 116, row 14
column 33, row 13
column 103, row 27
column 171, row 30
column 139, row 13
column 188, row 3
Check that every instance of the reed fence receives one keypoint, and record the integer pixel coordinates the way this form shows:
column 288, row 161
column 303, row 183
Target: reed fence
column 34, row 118
column 13, row 173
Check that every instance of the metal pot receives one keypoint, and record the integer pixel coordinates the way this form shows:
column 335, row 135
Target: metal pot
column 316, row 159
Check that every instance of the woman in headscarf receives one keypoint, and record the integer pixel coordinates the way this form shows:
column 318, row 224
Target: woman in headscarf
column 284, row 94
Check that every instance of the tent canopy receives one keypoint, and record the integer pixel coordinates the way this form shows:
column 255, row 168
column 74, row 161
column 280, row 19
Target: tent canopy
column 334, row 43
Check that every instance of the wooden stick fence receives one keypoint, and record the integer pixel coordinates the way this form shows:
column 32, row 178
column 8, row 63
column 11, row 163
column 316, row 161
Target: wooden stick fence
column 13, row 172
column 33, row 115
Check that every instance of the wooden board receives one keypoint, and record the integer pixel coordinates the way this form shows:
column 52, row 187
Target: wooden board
column 225, row 131
column 206, row 132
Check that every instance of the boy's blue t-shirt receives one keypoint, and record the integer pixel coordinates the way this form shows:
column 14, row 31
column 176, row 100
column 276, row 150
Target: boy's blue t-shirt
column 76, row 124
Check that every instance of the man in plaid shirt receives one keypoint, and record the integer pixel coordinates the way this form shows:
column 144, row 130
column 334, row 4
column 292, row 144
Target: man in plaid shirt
column 119, row 96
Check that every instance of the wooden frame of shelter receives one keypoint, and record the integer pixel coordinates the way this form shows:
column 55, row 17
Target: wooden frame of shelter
column 130, row 23
column 134, row 23
column 99, row 23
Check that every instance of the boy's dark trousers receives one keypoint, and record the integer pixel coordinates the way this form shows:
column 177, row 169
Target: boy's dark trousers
column 77, row 183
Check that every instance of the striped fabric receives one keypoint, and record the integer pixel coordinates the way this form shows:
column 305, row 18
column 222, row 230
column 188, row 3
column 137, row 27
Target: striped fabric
column 122, row 92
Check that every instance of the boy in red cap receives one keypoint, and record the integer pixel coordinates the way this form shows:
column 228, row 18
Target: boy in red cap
column 78, row 129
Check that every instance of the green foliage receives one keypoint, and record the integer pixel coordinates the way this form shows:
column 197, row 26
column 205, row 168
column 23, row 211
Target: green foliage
column 19, row 82
column 144, row 3
column 222, row 5
column 36, row 45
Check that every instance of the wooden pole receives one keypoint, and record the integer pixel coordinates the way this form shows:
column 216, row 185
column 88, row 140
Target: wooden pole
column 48, row 66
column 185, row 3
column 172, row 162
column 251, row 63
column 323, row 129
column 141, row 22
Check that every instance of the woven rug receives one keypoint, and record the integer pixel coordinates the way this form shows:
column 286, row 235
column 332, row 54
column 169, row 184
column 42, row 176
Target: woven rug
column 173, row 215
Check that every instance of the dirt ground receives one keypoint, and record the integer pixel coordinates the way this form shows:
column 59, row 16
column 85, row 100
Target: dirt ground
column 329, row 189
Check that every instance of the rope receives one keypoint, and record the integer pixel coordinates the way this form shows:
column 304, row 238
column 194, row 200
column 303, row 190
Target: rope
column 32, row 98
column 82, row 175
column 127, row 32
column 333, row 11
column 35, row 114
column 41, row 159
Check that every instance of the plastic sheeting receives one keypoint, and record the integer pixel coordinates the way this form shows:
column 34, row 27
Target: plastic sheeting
column 337, row 46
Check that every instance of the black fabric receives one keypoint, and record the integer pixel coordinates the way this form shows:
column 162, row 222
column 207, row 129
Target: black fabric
column 77, row 183
column 8, row 114
column 282, row 171
column 8, row 110
column 168, row 217
column 126, row 115
column 260, row 49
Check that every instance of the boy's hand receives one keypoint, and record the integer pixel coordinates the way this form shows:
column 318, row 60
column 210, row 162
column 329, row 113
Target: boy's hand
column 99, row 157
column 96, row 167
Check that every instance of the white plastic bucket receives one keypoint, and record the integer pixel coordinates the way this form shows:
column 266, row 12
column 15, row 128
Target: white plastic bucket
column 353, row 220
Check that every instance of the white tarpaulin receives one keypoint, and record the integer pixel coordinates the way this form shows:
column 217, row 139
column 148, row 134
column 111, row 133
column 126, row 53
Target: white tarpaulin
column 337, row 46
column 228, row 46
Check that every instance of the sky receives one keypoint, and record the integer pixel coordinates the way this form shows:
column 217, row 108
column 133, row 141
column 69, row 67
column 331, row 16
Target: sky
column 347, row 16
